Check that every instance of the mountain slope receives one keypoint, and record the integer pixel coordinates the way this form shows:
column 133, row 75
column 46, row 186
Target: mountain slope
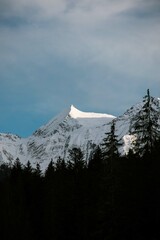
column 71, row 128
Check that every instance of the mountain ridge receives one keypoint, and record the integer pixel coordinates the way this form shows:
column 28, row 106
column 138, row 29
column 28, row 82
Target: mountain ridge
column 71, row 128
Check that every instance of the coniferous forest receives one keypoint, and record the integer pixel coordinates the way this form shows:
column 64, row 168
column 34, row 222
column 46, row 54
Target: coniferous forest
column 109, row 197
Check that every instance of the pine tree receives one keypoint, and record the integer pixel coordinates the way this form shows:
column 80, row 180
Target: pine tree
column 17, row 164
column 76, row 158
column 96, row 162
column 16, row 170
column 50, row 170
column 110, row 154
column 28, row 168
column 145, row 126
column 60, row 165
column 110, row 145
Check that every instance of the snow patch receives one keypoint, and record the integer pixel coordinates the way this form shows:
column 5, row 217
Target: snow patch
column 75, row 113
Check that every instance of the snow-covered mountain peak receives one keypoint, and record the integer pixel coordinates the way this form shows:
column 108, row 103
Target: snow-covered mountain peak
column 72, row 118
column 71, row 128
column 75, row 113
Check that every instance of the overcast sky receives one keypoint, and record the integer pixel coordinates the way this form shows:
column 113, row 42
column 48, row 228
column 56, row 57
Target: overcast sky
column 99, row 55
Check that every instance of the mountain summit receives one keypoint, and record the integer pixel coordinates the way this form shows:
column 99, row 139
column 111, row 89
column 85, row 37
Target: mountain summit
column 71, row 128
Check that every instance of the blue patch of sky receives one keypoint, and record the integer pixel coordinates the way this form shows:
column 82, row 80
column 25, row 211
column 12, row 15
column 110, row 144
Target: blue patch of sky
column 13, row 22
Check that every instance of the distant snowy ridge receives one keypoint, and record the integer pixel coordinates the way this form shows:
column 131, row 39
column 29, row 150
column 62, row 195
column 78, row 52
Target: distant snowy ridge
column 71, row 128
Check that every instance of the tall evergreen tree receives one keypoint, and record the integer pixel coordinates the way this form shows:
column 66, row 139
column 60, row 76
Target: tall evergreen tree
column 28, row 168
column 110, row 154
column 95, row 163
column 110, row 145
column 145, row 125
column 16, row 170
column 76, row 158
column 60, row 165
column 50, row 170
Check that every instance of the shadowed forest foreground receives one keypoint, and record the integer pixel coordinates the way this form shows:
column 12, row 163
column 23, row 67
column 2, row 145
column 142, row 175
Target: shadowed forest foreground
column 117, row 199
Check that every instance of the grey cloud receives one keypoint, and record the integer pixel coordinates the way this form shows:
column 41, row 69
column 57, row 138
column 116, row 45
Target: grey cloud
column 97, row 47
column 38, row 9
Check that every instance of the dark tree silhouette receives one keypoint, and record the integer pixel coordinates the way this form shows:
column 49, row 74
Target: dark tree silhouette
column 145, row 126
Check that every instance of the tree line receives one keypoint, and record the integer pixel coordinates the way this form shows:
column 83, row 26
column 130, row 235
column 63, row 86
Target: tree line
column 110, row 197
